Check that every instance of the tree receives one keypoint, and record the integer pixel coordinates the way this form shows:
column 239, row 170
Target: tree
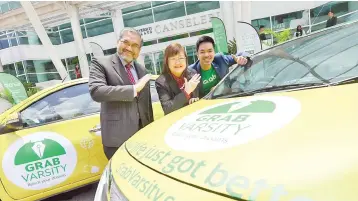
column 281, row 36
column 232, row 46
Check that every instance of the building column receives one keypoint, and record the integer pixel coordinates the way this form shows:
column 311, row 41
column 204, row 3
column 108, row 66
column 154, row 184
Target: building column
column 242, row 10
column 246, row 11
column 38, row 65
column 41, row 32
column 227, row 13
column 72, row 11
column 118, row 23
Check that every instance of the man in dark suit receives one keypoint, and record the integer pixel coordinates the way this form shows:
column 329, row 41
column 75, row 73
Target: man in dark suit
column 121, row 85
column 332, row 21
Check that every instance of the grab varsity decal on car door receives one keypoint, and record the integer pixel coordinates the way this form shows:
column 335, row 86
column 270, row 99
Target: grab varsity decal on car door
column 40, row 160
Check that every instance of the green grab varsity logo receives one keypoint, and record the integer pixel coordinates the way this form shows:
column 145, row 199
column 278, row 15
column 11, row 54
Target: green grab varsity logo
column 40, row 160
column 232, row 123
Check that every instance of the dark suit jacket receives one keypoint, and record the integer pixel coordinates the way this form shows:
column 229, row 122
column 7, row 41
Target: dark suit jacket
column 331, row 21
column 170, row 95
column 120, row 110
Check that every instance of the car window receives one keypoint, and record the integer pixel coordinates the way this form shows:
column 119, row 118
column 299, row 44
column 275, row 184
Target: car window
column 68, row 103
column 153, row 92
column 329, row 56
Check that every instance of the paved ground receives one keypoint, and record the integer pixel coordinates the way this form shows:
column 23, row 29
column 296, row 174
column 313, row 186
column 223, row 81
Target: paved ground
column 82, row 194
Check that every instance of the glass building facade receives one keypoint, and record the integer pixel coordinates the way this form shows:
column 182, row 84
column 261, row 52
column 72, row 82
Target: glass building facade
column 34, row 71
column 146, row 13
column 311, row 19
column 157, row 11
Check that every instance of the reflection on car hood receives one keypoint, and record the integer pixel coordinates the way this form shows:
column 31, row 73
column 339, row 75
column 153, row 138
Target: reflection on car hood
column 284, row 144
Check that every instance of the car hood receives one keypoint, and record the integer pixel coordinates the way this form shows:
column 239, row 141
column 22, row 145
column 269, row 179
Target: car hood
column 294, row 146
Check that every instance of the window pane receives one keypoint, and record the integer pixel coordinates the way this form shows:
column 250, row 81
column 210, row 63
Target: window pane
column 13, row 42
column 169, row 11
column 20, row 68
column 14, row 5
column 193, row 7
column 99, row 28
column 191, row 52
column 24, row 40
column 138, row 19
column 4, row 42
column 22, row 78
column 67, row 36
column 288, row 20
column 33, row 38
column 158, row 59
column 53, row 76
column 71, row 63
column 148, row 62
column 261, row 22
column 157, row 3
column 65, row 26
column 12, row 38
column 43, row 77
column 84, row 35
column 320, row 14
column 66, row 104
column 136, row 8
column 30, row 67
column 5, row 8
column 49, row 66
column 55, row 38
column 10, row 68
column 72, row 74
column 32, row 78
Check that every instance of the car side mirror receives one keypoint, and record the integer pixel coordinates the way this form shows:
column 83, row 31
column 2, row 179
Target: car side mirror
column 12, row 123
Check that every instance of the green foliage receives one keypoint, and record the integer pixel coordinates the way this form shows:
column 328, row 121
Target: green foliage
column 6, row 94
column 31, row 88
column 32, row 91
column 232, row 46
column 281, row 36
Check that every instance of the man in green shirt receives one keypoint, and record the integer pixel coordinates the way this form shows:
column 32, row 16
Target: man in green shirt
column 209, row 79
column 213, row 67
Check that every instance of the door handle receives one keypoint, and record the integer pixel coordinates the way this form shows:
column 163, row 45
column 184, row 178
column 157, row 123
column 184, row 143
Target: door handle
column 96, row 129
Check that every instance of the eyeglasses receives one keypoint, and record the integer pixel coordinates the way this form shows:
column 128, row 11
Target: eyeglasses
column 181, row 59
column 127, row 43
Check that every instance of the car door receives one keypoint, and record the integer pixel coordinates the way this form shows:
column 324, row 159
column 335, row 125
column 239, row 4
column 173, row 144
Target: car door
column 55, row 146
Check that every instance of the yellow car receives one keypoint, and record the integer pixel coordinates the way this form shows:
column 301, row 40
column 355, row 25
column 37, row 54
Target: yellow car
column 50, row 143
column 284, row 129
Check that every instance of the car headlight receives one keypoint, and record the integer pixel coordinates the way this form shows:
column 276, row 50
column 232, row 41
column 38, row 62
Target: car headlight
column 107, row 189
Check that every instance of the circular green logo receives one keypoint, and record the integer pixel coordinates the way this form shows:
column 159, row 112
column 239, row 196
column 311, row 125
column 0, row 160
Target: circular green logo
column 40, row 160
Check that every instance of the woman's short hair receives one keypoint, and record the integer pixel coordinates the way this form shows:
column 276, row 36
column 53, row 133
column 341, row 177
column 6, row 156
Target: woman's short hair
column 172, row 50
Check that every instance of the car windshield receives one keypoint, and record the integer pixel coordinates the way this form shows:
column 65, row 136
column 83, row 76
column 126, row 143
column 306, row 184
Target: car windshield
column 316, row 60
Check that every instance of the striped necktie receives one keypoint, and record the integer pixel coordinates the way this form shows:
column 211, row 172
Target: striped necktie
column 129, row 73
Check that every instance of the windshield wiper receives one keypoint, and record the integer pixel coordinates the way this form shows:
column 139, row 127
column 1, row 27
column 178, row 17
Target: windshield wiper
column 270, row 89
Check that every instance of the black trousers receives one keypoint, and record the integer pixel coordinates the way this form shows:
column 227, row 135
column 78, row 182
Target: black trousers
column 109, row 151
